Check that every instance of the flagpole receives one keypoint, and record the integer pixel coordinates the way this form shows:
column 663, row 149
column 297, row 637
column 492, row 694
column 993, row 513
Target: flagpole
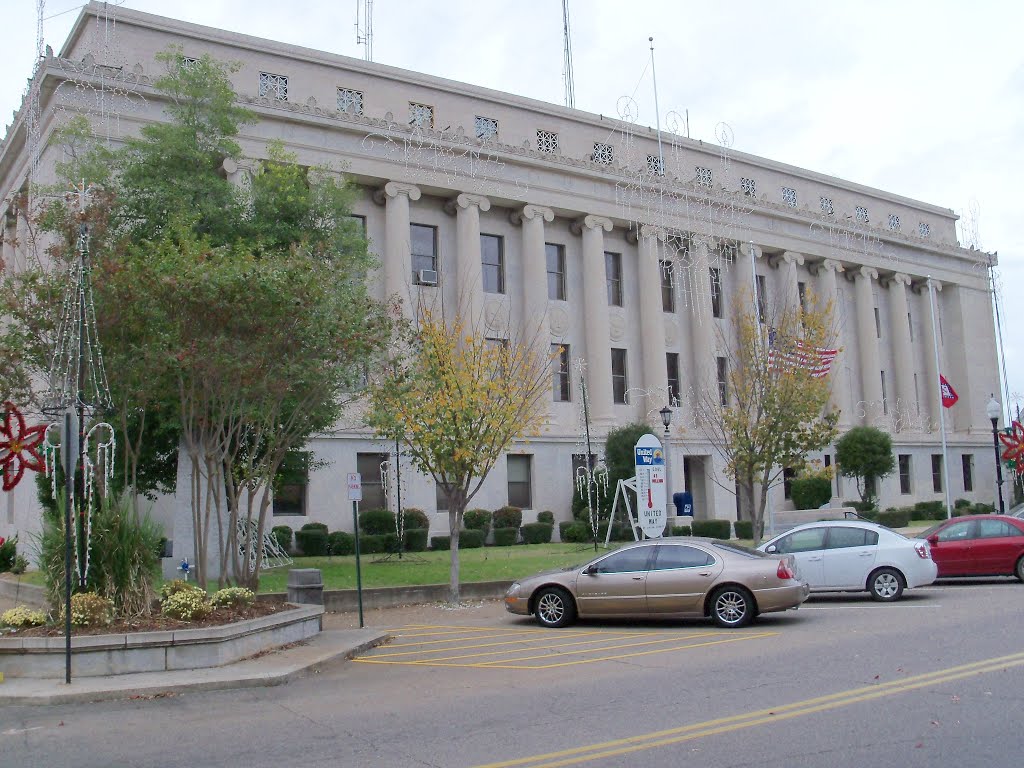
column 938, row 386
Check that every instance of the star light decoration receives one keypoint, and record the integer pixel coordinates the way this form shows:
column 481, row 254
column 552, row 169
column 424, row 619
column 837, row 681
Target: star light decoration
column 19, row 445
column 1014, row 442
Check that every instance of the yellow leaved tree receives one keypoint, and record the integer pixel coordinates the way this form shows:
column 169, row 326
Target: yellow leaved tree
column 458, row 400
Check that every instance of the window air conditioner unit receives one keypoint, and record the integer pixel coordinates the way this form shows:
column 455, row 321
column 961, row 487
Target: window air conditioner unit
column 428, row 277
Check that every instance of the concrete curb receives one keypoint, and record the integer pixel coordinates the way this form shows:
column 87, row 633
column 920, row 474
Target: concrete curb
column 347, row 600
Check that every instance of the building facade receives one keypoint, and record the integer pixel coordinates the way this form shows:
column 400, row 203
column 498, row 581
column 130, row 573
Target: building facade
column 624, row 246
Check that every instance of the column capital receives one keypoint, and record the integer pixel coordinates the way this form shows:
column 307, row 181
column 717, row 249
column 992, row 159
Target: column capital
column 465, row 200
column 932, row 282
column 900, row 278
column 394, row 189
column 867, row 272
column 590, row 222
column 792, row 257
column 531, row 212
column 747, row 248
column 652, row 231
column 827, row 265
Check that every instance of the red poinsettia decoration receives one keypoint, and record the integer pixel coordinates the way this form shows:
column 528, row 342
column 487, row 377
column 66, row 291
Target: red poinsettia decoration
column 1014, row 443
column 19, row 446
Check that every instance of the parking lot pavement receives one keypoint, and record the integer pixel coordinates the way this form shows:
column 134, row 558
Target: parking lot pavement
column 475, row 612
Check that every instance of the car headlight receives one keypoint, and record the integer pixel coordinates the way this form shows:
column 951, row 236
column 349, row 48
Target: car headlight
column 513, row 591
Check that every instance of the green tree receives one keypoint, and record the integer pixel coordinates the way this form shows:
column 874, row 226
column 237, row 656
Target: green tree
column 771, row 411
column 865, row 454
column 458, row 401
column 620, row 461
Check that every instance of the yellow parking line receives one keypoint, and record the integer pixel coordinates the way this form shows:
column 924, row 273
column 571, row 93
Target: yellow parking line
column 617, row 747
column 470, row 647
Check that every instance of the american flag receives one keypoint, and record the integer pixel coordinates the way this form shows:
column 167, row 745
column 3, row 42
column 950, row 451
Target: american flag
column 817, row 360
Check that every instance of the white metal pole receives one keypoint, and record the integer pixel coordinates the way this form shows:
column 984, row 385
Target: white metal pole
column 657, row 116
column 938, row 387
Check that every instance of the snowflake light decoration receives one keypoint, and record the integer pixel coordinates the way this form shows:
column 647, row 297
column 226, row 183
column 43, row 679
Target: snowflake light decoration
column 19, row 445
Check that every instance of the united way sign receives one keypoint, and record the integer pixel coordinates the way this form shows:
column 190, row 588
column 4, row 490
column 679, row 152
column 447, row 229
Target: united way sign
column 651, row 495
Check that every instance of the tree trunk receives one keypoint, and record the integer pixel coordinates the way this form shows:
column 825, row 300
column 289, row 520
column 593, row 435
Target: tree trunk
column 456, row 509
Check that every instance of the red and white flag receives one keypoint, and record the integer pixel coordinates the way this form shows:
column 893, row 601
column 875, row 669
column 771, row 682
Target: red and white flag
column 949, row 395
column 817, row 361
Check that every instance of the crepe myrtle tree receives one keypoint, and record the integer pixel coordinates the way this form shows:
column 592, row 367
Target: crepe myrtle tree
column 459, row 400
column 865, row 454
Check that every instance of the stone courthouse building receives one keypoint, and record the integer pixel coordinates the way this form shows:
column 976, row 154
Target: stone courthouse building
column 628, row 247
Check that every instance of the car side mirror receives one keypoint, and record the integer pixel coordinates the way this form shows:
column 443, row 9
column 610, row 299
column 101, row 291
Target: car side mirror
column 590, row 570
column 771, row 549
column 933, row 539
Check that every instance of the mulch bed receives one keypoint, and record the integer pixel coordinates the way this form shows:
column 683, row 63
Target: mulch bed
column 159, row 623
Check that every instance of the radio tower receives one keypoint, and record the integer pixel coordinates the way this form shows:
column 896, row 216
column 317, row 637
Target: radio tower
column 364, row 31
column 570, row 96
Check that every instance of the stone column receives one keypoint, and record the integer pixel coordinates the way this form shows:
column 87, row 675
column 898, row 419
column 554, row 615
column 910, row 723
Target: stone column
column 597, row 335
column 397, row 245
column 535, row 271
column 468, row 268
column 902, row 353
column 867, row 345
column 930, row 385
column 8, row 237
column 840, row 399
column 652, row 322
column 791, row 287
column 702, row 325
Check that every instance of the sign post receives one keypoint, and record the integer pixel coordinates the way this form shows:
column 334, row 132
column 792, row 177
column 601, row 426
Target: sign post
column 650, row 486
column 355, row 495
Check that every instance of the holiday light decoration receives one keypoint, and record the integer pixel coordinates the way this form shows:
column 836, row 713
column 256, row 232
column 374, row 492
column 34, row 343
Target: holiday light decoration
column 19, row 446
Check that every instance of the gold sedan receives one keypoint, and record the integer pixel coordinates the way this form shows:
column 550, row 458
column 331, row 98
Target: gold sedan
column 684, row 577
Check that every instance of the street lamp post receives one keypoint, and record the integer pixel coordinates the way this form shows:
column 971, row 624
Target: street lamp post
column 666, row 419
column 993, row 409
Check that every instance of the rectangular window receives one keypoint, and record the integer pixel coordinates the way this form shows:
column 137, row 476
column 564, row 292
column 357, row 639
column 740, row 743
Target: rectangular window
column 904, row 460
column 368, row 465
column 619, row 382
column 350, row 101
column 762, row 299
column 292, row 484
column 555, row 254
column 613, row 276
column 440, row 499
column 723, row 381
column 801, row 290
column 486, row 128
column 885, row 397
column 492, row 256
column 561, row 378
column 520, row 485
column 937, row 472
column 967, row 462
column 423, row 240
column 668, row 293
column 716, row 292
column 360, row 223
column 788, row 475
column 274, row 86
column 421, row 115
column 672, row 367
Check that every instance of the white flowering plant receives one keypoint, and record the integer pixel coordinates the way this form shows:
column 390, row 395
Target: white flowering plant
column 232, row 597
column 187, row 604
column 22, row 616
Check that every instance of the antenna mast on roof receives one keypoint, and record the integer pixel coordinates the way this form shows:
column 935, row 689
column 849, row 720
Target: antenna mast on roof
column 364, row 33
column 570, row 96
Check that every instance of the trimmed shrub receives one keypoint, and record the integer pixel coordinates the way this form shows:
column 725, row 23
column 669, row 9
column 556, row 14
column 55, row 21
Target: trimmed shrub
column 471, row 539
column 505, row 537
column 681, row 530
column 714, row 529
column 508, row 517
column 893, row 518
column 341, row 543
column 744, row 529
column 20, row 565
column 574, row 533
column 980, row 508
column 91, row 610
column 377, row 522
column 186, row 604
column 284, row 535
column 546, row 516
column 312, row 541
column 8, row 551
column 440, row 543
column 232, row 597
column 477, row 520
column 314, row 527
column 810, row 492
column 416, row 539
column 176, row 585
column 961, row 503
column 22, row 616
column 371, row 544
column 933, row 510
column 414, row 518
column 537, row 533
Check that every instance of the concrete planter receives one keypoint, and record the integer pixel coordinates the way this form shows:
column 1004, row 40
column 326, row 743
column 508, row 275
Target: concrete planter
column 347, row 600
column 95, row 655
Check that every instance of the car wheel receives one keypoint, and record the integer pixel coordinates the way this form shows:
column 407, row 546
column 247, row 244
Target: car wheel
column 554, row 608
column 732, row 607
column 1019, row 569
column 885, row 585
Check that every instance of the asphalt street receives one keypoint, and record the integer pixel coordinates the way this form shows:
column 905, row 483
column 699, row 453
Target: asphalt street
column 934, row 679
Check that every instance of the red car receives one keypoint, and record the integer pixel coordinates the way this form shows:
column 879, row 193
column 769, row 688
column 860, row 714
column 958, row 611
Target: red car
column 978, row 545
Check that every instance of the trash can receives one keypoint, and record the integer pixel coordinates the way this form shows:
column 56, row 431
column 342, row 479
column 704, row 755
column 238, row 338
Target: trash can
column 305, row 586
column 684, row 503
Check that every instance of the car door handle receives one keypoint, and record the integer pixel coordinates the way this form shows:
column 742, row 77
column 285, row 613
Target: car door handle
column 814, row 559
column 638, row 578
column 867, row 554
column 705, row 573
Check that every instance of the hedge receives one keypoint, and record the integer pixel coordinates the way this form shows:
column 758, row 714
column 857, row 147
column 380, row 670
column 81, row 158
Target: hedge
column 377, row 522
column 471, row 538
column 933, row 510
column 894, row 518
column 416, row 539
column 744, row 529
column 574, row 533
column 371, row 544
column 415, row 518
column 283, row 534
column 314, row 527
column 477, row 520
column 508, row 517
column 341, row 543
column 537, row 533
column 809, row 493
column 505, row 537
column 312, row 541
column 546, row 517
column 715, row 529
column 681, row 530
column 440, row 542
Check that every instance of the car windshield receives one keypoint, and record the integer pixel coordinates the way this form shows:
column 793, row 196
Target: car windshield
column 738, row 549
column 929, row 531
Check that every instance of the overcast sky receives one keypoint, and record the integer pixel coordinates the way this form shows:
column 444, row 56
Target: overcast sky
column 923, row 99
